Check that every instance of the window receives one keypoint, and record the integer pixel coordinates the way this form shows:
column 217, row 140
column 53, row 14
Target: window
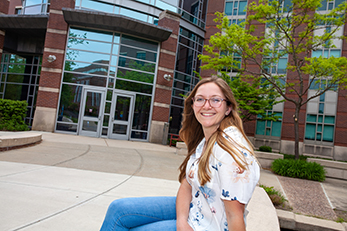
column 187, row 63
column 329, row 4
column 36, row 6
column 269, row 128
column 235, row 7
column 320, row 127
column 320, row 118
column 19, row 80
column 279, row 67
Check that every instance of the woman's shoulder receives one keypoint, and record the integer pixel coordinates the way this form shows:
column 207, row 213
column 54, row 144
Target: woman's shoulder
column 233, row 132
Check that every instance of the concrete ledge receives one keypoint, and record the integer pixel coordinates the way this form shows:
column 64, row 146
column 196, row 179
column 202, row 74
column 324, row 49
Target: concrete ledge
column 335, row 169
column 19, row 139
column 292, row 221
column 262, row 214
column 266, row 158
column 181, row 148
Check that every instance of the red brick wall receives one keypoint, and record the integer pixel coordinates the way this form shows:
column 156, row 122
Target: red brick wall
column 12, row 6
column 341, row 119
column 166, row 65
column 211, row 29
column 4, row 4
column 56, row 37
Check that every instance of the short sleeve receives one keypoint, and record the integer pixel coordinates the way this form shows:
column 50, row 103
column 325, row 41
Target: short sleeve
column 234, row 182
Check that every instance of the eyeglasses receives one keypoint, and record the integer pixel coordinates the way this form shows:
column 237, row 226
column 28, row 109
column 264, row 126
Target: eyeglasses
column 214, row 102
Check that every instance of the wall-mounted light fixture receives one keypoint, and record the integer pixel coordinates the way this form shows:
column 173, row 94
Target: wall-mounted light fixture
column 167, row 77
column 51, row 58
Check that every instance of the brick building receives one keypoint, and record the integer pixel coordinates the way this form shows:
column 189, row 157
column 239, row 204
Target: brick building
column 118, row 70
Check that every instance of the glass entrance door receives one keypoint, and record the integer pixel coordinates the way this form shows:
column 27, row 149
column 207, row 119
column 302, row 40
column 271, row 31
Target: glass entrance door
column 121, row 113
column 91, row 112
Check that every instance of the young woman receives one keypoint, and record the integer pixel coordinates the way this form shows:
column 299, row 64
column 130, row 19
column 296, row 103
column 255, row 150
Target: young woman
column 217, row 177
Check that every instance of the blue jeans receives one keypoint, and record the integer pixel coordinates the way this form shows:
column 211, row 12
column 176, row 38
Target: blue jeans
column 141, row 214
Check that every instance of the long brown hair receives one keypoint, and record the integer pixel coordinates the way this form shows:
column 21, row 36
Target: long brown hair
column 192, row 133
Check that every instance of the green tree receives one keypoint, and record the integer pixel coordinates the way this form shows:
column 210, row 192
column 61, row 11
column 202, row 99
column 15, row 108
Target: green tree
column 293, row 32
column 254, row 98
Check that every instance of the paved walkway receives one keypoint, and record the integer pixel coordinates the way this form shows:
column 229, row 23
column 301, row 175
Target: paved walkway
column 66, row 183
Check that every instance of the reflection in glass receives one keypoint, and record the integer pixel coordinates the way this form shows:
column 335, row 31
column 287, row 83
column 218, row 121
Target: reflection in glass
column 137, row 65
column 134, row 75
column 69, row 103
column 91, row 126
column 66, row 127
column 122, row 108
column 90, row 34
column 16, row 92
column 91, row 68
column 86, row 56
column 141, row 43
column 133, row 14
column 82, row 44
column 131, row 86
column 92, row 104
column 99, row 6
column 84, row 79
column 119, row 129
column 106, row 120
column 12, row 78
column 139, row 135
column 108, row 107
column 137, row 53
column 104, row 131
column 141, row 112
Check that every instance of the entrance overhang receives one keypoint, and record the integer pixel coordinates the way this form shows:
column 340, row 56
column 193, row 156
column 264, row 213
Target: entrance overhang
column 24, row 25
column 115, row 22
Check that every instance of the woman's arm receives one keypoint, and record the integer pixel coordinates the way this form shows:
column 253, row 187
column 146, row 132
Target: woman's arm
column 234, row 212
column 184, row 197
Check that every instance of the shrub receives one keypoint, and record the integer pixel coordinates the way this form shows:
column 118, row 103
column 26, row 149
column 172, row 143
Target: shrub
column 292, row 157
column 299, row 169
column 275, row 196
column 12, row 114
column 265, row 148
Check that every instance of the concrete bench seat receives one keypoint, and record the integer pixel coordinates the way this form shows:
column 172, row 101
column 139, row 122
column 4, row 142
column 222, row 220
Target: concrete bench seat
column 15, row 139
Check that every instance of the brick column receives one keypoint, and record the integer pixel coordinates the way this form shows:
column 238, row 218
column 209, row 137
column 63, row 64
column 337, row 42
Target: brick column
column 3, row 10
column 166, row 65
column 49, row 86
column 211, row 28
column 4, row 4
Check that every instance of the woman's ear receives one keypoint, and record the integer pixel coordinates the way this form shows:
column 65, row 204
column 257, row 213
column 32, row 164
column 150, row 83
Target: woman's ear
column 228, row 110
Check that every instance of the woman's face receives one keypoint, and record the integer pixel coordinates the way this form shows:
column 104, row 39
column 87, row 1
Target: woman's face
column 208, row 116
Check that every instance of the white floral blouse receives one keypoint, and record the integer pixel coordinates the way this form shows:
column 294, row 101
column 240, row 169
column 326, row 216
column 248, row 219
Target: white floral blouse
column 228, row 182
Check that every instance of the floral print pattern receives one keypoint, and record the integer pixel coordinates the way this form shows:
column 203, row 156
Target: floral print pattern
column 228, row 182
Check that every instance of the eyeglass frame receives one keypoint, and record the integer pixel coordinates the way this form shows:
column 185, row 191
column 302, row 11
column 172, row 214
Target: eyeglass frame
column 193, row 99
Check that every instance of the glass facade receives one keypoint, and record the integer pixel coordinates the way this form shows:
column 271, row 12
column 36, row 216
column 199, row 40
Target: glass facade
column 107, row 84
column 36, row 6
column 269, row 128
column 187, row 63
column 19, row 80
column 194, row 11
column 329, row 4
column 321, row 115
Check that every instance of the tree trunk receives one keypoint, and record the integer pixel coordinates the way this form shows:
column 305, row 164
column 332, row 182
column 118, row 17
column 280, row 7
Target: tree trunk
column 296, row 131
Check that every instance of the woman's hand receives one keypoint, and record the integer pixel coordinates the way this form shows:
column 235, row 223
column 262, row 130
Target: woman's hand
column 183, row 226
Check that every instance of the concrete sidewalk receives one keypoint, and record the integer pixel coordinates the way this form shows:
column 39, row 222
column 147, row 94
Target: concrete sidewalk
column 67, row 182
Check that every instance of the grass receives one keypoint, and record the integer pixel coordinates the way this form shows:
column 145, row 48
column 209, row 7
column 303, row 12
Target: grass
column 341, row 216
column 275, row 196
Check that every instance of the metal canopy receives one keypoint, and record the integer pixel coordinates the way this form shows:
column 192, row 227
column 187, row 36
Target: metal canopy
column 115, row 22
column 23, row 21
column 24, row 25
